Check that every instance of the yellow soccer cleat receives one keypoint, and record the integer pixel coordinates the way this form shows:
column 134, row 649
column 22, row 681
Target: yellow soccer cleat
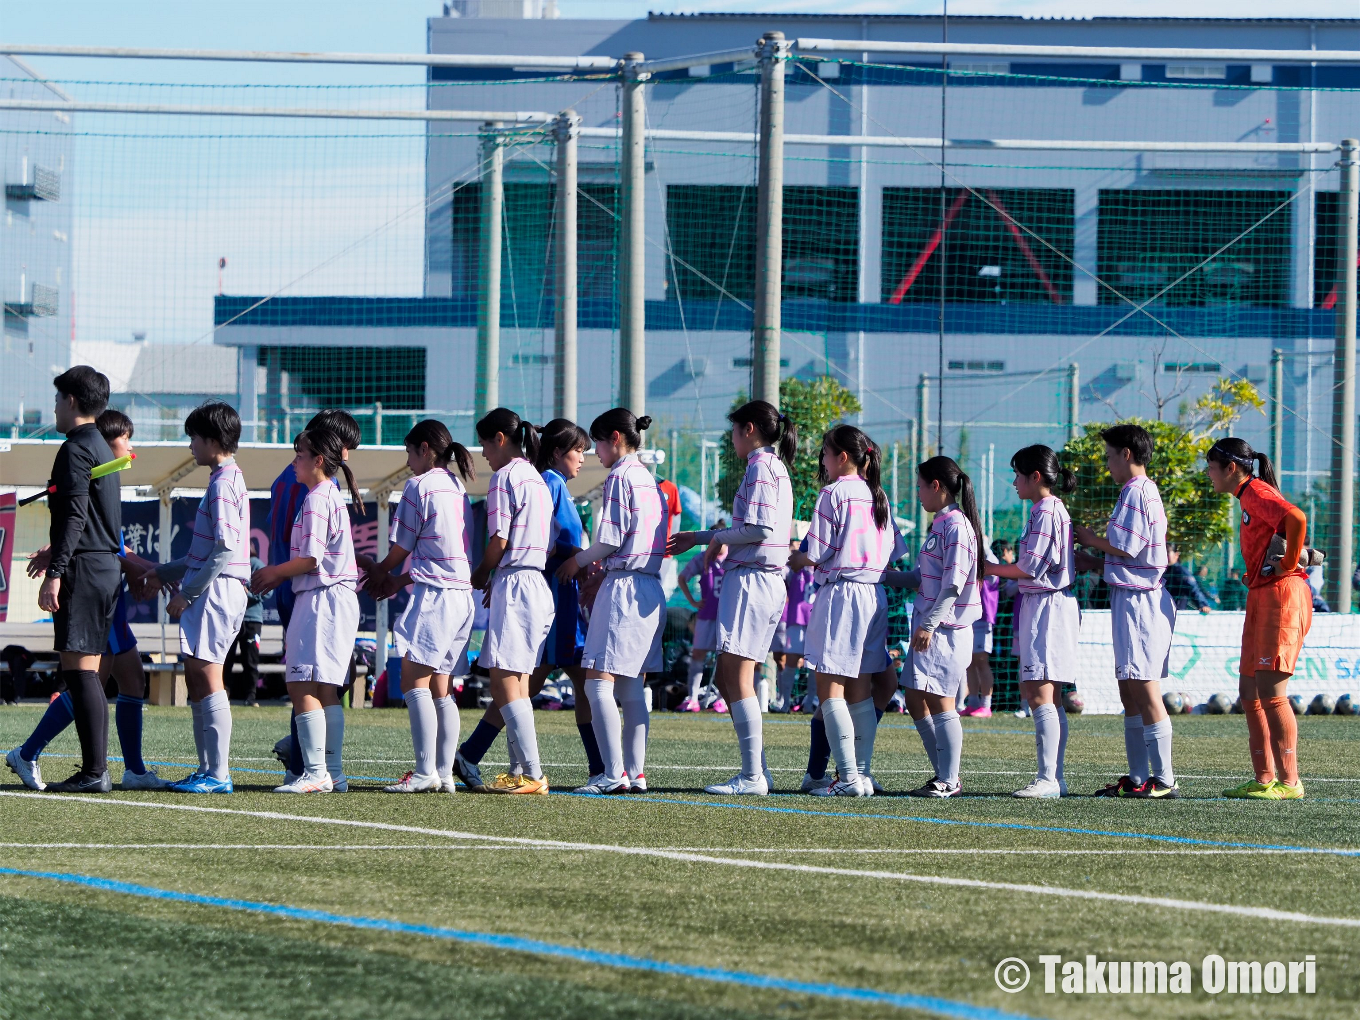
column 1279, row 791
column 506, row 783
column 1250, row 788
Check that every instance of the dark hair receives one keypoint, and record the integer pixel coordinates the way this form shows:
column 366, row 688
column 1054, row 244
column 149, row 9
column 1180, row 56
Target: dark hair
column 1045, row 461
column 1134, row 438
column 435, row 434
column 864, row 455
column 1237, row 451
column 777, row 429
column 1001, row 545
column 561, row 435
column 952, row 479
column 89, row 387
column 216, row 421
column 513, row 427
column 622, row 421
column 340, row 422
column 330, row 447
column 112, row 424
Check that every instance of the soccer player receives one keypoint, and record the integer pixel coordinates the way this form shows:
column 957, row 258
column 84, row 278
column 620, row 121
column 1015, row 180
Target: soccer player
column 211, row 602
column 1047, row 619
column 629, row 615
column 947, row 575
column 790, row 636
column 753, row 594
column 319, row 642
column 1279, row 614
column 1142, row 613
column 519, row 526
column 705, row 639
column 978, row 704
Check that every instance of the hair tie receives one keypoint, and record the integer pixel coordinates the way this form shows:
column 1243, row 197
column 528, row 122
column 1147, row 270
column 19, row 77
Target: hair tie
column 783, row 418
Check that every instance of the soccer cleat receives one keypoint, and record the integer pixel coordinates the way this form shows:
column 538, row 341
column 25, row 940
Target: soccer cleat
column 83, row 782
column 1247, row 789
column 689, row 705
column 508, row 783
column 283, row 749
column 447, row 784
column 413, row 782
column 1119, row 788
column 307, row 783
column 938, row 789
column 195, row 774
column 769, row 777
column 977, row 712
column 290, row 777
column 148, row 780
column 811, row 785
column 202, row 783
column 719, row 706
column 1277, row 790
column 1062, row 787
column 602, row 786
column 740, row 786
column 875, row 786
column 468, row 772
column 844, row 788
column 1155, row 789
column 1040, row 789
column 638, row 784
column 28, row 771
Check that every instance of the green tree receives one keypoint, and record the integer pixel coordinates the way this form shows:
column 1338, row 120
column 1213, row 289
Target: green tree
column 814, row 405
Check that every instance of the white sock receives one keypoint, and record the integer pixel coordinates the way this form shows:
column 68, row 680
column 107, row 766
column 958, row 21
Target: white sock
column 926, row 727
column 1047, row 733
column 636, row 721
column 1135, row 748
column 335, row 742
column 696, row 672
column 311, row 728
column 1158, row 737
column 604, row 720
column 948, row 745
column 763, row 694
column 200, row 744
column 788, row 676
column 519, row 723
column 986, row 701
column 446, row 743
column 865, row 721
column 750, row 735
column 424, row 728
column 840, row 734
column 1062, row 739
column 217, row 733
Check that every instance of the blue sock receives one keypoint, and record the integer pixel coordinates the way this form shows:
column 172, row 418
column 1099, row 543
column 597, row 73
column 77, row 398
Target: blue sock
column 58, row 716
column 295, row 764
column 127, row 716
column 587, row 731
column 474, row 748
column 878, row 713
column 820, row 752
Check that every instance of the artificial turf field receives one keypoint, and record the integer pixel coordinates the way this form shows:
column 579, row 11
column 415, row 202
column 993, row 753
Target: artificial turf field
column 789, row 888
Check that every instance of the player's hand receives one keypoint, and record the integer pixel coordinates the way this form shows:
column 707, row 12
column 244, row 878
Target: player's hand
column 681, row 541
column 374, row 579
column 799, row 560
column 1083, row 534
column 49, row 595
column 480, row 577
column 711, row 553
column 1204, row 610
column 920, row 641
column 145, row 587
column 39, row 561
column 176, row 606
column 568, row 570
column 265, row 580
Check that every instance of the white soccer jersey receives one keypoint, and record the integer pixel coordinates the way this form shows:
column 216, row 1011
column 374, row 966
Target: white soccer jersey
column 223, row 516
column 519, row 510
column 843, row 541
column 634, row 518
column 1045, row 551
column 1138, row 527
column 765, row 498
column 321, row 531
column 430, row 522
column 949, row 557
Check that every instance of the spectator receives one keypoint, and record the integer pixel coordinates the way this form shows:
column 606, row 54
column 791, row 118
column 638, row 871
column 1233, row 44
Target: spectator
column 1182, row 585
column 247, row 643
column 1316, row 579
column 1234, row 594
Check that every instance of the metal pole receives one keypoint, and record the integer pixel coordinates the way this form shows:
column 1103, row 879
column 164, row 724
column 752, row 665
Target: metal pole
column 633, row 241
column 923, row 443
column 488, row 390
column 1343, row 408
column 703, row 483
column 1277, row 408
column 894, row 481
column 564, row 290
column 1073, row 400
column 377, row 423
column 769, row 221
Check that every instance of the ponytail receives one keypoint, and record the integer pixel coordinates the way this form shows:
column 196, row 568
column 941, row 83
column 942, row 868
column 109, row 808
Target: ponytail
column 514, row 428
column 775, row 428
column 358, row 500
column 1043, row 460
column 1229, row 450
column 435, row 434
column 621, row 420
column 1266, row 471
column 865, row 456
column 330, row 447
column 954, row 481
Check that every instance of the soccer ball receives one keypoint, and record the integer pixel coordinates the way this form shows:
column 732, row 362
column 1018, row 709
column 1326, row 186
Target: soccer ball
column 1072, row 702
column 1346, row 705
column 1219, row 704
column 1296, row 702
column 1237, row 707
column 1323, row 704
column 1187, row 703
column 1174, row 703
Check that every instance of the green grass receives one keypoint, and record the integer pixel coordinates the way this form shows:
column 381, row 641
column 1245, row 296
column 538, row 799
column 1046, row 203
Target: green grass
column 67, row 951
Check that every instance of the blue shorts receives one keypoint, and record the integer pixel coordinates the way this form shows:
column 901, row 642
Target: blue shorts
column 121, row 638
column 567, row 638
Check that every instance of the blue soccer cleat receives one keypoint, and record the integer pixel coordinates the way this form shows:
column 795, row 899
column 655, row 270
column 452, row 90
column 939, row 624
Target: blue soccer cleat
column 202, row 783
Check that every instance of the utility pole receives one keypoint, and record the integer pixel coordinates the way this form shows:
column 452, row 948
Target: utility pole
column 564, row 290
column 488, row 387
column 633, row 241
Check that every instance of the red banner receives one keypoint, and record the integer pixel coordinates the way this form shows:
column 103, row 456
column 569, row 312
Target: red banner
column 8, row 513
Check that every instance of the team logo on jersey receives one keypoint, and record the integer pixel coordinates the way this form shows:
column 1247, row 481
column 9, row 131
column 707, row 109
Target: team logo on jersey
column 931, row 543
column 1246, row 517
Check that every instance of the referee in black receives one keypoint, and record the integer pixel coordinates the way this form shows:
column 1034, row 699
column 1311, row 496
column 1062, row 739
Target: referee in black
column 81, row 586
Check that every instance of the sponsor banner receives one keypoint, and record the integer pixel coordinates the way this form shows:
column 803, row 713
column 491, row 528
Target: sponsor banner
column 8, row 514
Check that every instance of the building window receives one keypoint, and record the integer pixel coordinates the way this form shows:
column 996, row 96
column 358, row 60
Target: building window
column 1176, row 367
column 747, row 362
column 1326, row 257
column 977, row 366
column 997, row 245
column 1194, row 249
column 299, row 381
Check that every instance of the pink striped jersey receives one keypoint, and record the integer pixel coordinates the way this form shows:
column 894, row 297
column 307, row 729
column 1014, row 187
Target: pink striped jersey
column 430, row 523
column 765, row 498
column 321, row 531
column 634, row 517
column 519, row 509
column 949, row 556
column 1138, row 528
column 843, row 541
column 1045, row 551
column 223, row 516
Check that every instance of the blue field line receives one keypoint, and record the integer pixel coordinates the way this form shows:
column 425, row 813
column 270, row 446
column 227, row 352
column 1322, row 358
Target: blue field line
column 922, row 1003
column 927, row 820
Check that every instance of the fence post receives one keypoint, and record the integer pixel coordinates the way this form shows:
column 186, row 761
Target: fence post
column 488, row 392
column 633, row 241
column 564, row 290
column 377, row 423
column 1073, row 400
column 1277, row 407
column 922, row 443
column 1341, row 561
column 769, row 221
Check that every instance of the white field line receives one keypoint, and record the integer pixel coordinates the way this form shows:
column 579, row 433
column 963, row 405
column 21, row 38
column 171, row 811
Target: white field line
column 1196, row 906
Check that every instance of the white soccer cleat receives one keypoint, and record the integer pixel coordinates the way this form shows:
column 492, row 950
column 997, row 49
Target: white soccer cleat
column 740, row 786
column 1040, row 789
column 448, row 784
column 28, row 771
column 339, row 784
column 638, row 784
column 857, row 787
column 769, row 778
column 148, row 780
column 290, row 777
column 307, row 783
column 602, row 786
column 874, row 788
column 413, row 782
column 811, row 785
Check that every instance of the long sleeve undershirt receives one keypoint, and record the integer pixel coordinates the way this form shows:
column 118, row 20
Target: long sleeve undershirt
column 742, row 534
column 911, row 579
column 598, row 551
column 203, row 576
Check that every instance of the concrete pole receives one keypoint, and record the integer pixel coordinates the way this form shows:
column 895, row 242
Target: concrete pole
column 488, row 387
column 922, row 444
column 633, row 242
column 1341, row 563
column 1277, row 408
column 1073, row 401
column 564, row 288
column 769, row 221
